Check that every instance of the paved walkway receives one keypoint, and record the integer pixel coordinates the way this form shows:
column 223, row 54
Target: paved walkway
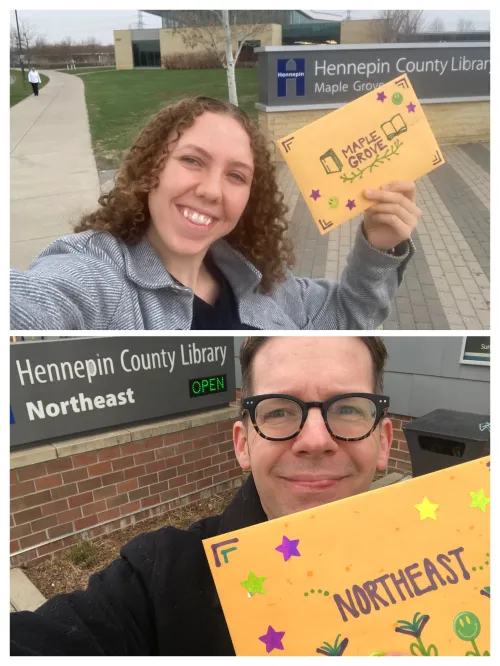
column 52, row 167
column 54, row 179
column 447, row 286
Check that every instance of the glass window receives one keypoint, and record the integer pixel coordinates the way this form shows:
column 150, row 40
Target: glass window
column 147, row 53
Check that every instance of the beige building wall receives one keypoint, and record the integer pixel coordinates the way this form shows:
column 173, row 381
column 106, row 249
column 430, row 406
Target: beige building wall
column 123, row 49
column 359, row 32
column 460, row 122
column 173, row 41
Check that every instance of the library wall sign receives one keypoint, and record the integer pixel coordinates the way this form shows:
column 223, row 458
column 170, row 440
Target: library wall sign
column 67, row 387
column 334, row 75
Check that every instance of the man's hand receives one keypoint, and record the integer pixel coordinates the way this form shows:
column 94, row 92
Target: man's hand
column 393, row 217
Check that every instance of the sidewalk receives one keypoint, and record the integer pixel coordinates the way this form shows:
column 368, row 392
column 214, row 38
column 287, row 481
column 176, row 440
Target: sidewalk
column 23, row 594
column 53, row 172
column 447, row 284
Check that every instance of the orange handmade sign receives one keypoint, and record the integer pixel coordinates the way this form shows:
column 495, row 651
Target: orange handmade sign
column 402, row 569
column 380, row 137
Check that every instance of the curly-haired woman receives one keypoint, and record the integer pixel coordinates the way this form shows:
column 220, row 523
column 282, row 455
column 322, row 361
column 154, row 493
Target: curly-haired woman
column 194, row 236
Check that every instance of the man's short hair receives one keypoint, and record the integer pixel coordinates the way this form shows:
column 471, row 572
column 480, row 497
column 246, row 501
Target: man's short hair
column 252, row 344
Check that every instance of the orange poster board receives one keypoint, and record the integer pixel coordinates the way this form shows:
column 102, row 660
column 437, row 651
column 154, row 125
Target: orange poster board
column 401, row 569
column 381, row 137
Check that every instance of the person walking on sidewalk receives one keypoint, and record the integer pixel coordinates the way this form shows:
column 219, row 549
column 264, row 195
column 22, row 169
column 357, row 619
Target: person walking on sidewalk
column 34, row 79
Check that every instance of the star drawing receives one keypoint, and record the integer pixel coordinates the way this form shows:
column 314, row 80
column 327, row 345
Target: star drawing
column 479, row 500
column 288, row 548
column 427, row 509
column 254, row 584
column 315, row 195
column 351, row 203
column 381, row 96
column 411, row 107
column 272, row 639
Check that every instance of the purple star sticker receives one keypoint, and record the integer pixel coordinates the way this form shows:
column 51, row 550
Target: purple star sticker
column 288, row 548
column 411, row 107
column 351, row 203
column 381, row 96
column 272, row 639
column 315, row 195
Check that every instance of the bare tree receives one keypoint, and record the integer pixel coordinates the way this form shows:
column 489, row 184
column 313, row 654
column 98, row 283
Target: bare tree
column 14, row 42
column 220, row 35
column 465, row 25
column 40, row 42
column 397, row 25
column 91, row 45
column 437, row 25
column 28, row 35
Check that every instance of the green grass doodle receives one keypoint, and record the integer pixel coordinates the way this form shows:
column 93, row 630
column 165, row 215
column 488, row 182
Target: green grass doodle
column 336, row 650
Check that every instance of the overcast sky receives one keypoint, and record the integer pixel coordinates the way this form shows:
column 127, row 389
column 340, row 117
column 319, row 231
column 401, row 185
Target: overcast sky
column 55, row 25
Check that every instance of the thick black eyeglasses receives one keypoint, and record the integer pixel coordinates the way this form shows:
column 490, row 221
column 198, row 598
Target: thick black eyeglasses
column 348, row 417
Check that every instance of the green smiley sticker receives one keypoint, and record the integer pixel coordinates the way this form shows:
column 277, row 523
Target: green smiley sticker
column 467, row 626
column 397, row 98
column 333, row 202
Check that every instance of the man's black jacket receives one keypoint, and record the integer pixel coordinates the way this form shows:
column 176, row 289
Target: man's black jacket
column 157, row 598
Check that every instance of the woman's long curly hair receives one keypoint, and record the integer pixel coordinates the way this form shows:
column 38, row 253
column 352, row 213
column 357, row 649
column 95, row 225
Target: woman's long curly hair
column 260, row 234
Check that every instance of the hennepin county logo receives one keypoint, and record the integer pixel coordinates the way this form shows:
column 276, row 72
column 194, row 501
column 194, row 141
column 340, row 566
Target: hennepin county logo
column 295, row 69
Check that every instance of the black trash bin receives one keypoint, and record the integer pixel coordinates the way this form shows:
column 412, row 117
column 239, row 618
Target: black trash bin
column 444, row 438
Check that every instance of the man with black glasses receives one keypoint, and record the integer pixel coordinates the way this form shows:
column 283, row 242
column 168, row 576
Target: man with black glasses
column 313, row 430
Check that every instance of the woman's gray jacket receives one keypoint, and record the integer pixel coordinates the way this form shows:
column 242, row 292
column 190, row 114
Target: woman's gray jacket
column 94, row 281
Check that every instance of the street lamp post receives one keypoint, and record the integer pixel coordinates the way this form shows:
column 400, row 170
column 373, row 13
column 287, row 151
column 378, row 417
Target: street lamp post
column 21, row 56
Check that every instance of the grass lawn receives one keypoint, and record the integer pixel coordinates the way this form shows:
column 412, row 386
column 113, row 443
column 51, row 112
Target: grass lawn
column 120, row 103
column 18, row 91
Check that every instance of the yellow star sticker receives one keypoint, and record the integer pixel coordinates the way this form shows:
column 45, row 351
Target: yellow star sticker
column 427, row 510
column 479, row 500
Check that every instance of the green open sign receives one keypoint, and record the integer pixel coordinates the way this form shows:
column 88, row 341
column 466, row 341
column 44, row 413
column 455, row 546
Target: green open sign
column 206, row 385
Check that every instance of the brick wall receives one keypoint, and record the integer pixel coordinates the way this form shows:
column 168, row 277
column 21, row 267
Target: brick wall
column 461, row 122
column 82, row 489
column 105, row 483
column 399, row 458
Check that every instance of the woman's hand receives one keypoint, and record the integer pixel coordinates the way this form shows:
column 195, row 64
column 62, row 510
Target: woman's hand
column 393, row 217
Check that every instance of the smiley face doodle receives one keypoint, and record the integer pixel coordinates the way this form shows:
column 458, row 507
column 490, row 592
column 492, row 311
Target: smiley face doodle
column 333, row 202
column 467, row 626
column 397, row 98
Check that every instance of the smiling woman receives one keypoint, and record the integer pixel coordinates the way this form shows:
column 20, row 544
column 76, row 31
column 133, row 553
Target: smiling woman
column 194, row 235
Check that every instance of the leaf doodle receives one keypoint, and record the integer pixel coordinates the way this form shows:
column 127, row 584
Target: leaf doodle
column 390, row 152
column 414, row 629
column 336, row 650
